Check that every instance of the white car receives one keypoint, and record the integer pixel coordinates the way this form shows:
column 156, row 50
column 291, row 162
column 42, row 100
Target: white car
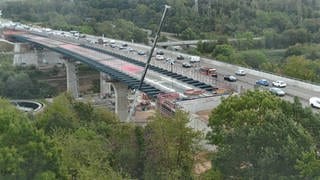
column 314, row 102
column 240, row 72
column 279, row 83
column 159, row 57
column 170, row 61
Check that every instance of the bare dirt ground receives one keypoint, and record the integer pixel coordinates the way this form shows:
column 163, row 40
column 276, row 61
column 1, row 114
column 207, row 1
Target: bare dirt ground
column 204, row 115
column 143, row 116
column 202, row 164
column 59, row 80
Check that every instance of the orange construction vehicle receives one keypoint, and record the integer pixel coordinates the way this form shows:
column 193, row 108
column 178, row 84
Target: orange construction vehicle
column 208, row 71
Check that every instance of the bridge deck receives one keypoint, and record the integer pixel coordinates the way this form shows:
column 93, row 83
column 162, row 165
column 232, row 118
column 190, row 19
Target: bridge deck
column 157, row 80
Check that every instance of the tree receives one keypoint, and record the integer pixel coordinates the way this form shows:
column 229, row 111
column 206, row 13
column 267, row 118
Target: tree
column 25, row 152
column 299, row 67
column 256, row 137
column 14, row 83
column 309, row 165
column 127, row 148
column 271, row 39
column 58, row 115
column 188, row 34
column 205, row 47
column 252, row 58
column 170, row 147
column 293, row 36
column 224, row 50
column 84, row 154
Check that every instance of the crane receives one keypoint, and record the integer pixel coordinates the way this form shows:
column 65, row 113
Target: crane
column 137, row 92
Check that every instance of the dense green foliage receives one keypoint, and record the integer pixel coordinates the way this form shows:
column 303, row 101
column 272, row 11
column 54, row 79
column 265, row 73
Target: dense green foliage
column 25, row 152
column 22, row 82
column 74, row 140
column 261, row 136
column 277, row 20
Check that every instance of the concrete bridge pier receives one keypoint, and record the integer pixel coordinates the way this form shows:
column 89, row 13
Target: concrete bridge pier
column 17, row 59
column 105, row 85
column 72, row 80
column 24, row 54
column 121, row 94
column 121, row 98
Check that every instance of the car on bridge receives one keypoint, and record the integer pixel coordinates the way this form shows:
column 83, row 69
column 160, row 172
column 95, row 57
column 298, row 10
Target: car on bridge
column 195, row 59
column 170, row 61
column 186, row 65
column 159, row 57
column 262, row 82
column 278, row 83
column 180, row 57
column 240, row 72
column 314, row 102
column 277, row 91
column 141, row 53
column 130, row 49
column 230, row 78
column 160, row 52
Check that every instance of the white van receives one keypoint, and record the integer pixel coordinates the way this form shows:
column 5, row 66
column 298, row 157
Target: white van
column 194, row 59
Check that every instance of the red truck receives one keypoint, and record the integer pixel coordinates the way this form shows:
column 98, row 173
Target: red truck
column 208, row 71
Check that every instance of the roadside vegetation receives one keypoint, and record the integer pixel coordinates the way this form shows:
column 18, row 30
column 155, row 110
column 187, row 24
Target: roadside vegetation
column 74, row 140
column 260, row 136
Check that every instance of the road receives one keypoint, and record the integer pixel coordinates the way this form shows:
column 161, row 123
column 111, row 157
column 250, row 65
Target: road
column 244, row 82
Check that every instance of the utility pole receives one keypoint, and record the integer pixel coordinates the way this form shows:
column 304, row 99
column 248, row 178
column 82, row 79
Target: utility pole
column 132, row 110
column 171, row 63
column 196, row 6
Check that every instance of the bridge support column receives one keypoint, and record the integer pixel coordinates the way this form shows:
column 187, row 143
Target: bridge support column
column 17, row 59
column 72, row 81
column 24, row 55
column 121, row 98
column 105, row 87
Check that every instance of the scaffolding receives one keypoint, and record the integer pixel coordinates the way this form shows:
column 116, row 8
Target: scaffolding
column 166, row 103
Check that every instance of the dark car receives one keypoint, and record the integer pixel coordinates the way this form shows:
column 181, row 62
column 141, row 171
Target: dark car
column 160, row 53
column 180, row 57
column 230, row 78
column 262, row 82
column 141, row 53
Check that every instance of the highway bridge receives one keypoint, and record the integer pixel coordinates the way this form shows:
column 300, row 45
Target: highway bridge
column 127, row 67
column 118, row 68
column 121, row 68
